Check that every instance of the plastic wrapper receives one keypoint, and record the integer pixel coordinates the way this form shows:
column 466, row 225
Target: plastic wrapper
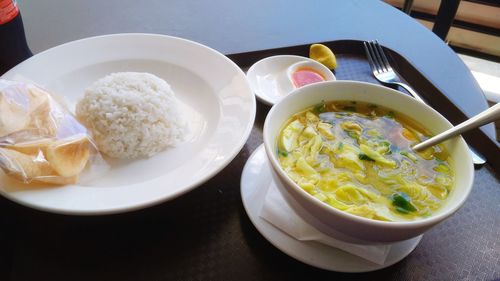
column 40, row 140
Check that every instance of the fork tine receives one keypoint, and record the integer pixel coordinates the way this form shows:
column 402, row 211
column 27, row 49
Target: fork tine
column 382, row 54
column 377, row 56
column 370, row 58
column 376, row 65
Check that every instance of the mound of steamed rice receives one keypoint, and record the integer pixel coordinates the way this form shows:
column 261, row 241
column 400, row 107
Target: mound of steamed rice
column 131, row 115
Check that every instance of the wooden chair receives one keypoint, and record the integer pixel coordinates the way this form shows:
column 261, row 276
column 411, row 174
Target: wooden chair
column 444, row 18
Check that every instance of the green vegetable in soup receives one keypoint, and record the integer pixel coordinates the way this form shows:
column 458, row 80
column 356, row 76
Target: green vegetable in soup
column 321, row 107
column 409, row 156
column 402, row 202
column 358, row 159
column 349, row 108
column 390, row 114
column 377, row 157
column 363, row 156
column 282, row 153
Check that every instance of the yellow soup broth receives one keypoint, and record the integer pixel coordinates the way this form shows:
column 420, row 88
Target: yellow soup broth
column 357, row 157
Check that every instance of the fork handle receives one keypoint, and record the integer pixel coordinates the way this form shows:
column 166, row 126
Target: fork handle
column 411, row 91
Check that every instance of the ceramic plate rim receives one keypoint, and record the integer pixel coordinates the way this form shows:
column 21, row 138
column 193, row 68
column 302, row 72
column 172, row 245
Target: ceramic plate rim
column 190, row 186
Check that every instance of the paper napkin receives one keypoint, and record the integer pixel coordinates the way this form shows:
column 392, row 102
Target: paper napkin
column 276, row 211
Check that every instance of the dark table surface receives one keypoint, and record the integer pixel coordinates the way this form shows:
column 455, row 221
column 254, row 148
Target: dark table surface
column 206, row 234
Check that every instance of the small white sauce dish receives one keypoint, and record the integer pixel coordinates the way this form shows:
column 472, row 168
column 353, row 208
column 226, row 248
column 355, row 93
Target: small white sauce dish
column 310, row 65
column 270, row 78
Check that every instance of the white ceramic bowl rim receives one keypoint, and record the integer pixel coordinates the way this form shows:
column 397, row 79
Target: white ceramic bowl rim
column 270, row 143
column 277, row 57
column 228, row 85
column 255, row 70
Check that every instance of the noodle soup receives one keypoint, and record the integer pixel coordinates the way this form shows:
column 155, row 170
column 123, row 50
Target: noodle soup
column 357, row 157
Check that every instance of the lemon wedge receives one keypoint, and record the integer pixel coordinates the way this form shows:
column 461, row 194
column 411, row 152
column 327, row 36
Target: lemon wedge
column 68, row 158
column 323, row 55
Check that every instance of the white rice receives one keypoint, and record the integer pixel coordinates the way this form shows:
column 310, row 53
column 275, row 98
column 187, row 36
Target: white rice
column 131, row 115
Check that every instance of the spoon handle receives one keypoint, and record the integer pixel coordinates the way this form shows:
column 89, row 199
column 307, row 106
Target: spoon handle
column 489, row 115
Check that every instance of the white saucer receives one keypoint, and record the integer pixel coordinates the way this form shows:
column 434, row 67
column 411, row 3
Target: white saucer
column 255, row 180
column 269, row 77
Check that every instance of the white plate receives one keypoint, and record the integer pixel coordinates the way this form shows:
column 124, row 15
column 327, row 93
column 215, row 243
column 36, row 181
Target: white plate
column 269, row 77
column 213, row 91
column 255, row 180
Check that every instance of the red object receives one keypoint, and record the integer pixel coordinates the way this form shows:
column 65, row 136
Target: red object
column 13, row 46
column 8, row 11
column 305, row 76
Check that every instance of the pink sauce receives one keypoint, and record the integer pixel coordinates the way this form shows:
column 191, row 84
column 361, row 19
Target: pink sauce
column 306, row 76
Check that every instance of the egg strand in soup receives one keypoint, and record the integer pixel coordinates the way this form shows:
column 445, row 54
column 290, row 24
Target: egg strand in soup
column 357, row 157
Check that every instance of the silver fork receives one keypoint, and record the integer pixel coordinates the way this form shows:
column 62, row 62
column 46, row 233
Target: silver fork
column 383, row 72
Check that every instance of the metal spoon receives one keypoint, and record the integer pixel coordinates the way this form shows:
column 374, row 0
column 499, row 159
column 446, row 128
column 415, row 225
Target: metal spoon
column 489, row 115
